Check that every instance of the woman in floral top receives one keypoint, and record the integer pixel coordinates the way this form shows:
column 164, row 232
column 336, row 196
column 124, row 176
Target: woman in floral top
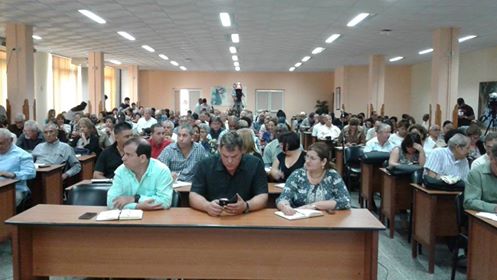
column 316, row 186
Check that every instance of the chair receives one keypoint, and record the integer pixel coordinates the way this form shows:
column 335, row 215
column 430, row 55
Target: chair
column 175, row 200
column 352, row 163
column 462, row 237
column 88, row 194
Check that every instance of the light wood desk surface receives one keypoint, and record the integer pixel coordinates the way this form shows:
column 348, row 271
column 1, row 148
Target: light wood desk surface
column 7, row 204
column 185, row 243
column 482, row 247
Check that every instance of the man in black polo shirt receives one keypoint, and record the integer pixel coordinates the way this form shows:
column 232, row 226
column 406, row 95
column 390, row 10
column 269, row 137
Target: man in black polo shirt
column 111, row 158
column 229, row 175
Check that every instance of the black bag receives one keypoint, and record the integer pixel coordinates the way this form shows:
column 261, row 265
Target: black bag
column 403, row 169
column 438, row 184
column 375, row 157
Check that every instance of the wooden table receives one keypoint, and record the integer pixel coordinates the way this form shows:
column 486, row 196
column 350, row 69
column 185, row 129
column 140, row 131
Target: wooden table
column 339, row 159
column 7, row 205
column 482, row 247
column 307, row 139
column 273, row 193
column 185, row 243
column 87, row 167
column 434, row 216
column 371, row 181
column 47, row 186
column 396, row 196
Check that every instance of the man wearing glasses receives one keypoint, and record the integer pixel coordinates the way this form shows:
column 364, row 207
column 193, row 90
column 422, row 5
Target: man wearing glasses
column 52, row 151
column 450, row 161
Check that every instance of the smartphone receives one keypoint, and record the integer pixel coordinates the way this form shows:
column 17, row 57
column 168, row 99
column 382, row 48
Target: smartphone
column 226, row 201
column 87, row 216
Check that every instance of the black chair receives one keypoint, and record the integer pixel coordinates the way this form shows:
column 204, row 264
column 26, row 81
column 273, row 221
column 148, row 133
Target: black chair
column 88, row 194
column 175, row 200
column 352, row 164
column 462, row 237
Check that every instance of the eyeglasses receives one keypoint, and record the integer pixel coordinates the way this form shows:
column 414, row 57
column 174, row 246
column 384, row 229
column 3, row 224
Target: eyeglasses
column 49, row 131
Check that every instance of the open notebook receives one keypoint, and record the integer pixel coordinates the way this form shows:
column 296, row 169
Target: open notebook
column 301, row 214
column 116, row 214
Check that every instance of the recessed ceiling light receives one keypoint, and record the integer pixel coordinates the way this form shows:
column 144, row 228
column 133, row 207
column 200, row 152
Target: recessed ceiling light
column 291, row 69
column 225, row 19
column 183, row 68
column 397, row 58
column 148, row 48
column 425, row 51
column 113, row 61
column 235, row 38
column 317, row 50
column 357, row 19
column 332, row 38
column 174, row 63
column 36, row 37
column 237, row 68
column 305, row 58
column 233, row 50
column 92, row 16
column 126, row 35
column 234, row 57
column 466, row 38
column 236, row 64
column 298, row 64
column 163, row 57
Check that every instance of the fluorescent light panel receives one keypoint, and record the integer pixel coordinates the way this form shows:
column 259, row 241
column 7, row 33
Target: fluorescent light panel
column 163, row 56
column 305, row 58
column 183, row 68
column 397, row 58
column 357, row 19
column 233, row 50
column 234, row 57
column 113, row 61
column 126, row 35
column 332, row 38
column 425, row 51
column 235, row 38
column 236, row 64
column 36, row 37
column 92, row 16
column 466, row 38
column 225, row 19
column 298, row 64
column 291, row 69
column 237, row 68
column 174, row 63
column 317, row 50
column 148, row 48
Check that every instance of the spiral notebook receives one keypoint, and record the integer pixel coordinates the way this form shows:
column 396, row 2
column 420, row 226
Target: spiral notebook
column 116, row 214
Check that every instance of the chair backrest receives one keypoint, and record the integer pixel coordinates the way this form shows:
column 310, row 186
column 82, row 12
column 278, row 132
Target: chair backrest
column 88, row 194
column 175, row 201
column 462, row 219
column 353, row 155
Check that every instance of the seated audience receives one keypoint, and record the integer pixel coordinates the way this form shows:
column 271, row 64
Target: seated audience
column 15, row 163
column 146, row 121
column 157, row 140
column 321, row 120
column 182, row 157
column 371, row 133
column 446, row 127
column 353, row 134
column 274, row 148
column 290, row 159
column 480, row 192
column 490, row 140
column 111, row 158
column 328, row 131
column 205, row 137
column 85, row 141
column 141, row 182
column 450, row 160
column 380, row 142
column 476, row 148
column 53, row 151
column 18, row 126
column 106, row 132
column 168, row 131
column 231, row 174
column 431, row 141
column 30, row 137
column 196, row 133
column 268, row 135
column 316, row 186
column 397, row 137
column 50, row 116
column 64, row 129
column 410, row 151
column 249, row 147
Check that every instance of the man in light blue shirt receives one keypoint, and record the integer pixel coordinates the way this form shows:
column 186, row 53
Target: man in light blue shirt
column 381, row 142
column 15, row 163
column 141, row 182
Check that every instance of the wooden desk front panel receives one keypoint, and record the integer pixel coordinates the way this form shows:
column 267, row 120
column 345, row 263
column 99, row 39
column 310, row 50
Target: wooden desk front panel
column 203, row 253
column 7, row 205
column 482, row 260
column 339, row 161
column 47, row 186
column 87, row 167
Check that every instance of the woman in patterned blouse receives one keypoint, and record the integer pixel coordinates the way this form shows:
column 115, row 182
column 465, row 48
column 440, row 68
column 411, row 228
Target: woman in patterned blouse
column 316, row 186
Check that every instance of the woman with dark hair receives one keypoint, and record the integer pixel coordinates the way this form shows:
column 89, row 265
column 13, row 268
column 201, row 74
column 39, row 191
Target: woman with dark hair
column 353, row 134
column 410, row 151
column 316, row 186
column 50, row 116
column 476, row 148
column 291, row 159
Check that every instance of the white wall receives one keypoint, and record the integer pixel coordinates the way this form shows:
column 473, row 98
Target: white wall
column 420, row 90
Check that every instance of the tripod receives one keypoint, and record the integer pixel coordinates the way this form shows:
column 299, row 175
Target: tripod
column 492, row 115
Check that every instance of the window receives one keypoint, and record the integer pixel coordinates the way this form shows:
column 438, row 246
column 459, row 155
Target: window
column 66, row 92
column 270, row 99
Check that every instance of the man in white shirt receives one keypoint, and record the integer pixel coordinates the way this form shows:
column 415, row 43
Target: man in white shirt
column 317, row 126
column 146, row 121
column 371, row 133
column 381, row 142
column 328, row 131
column 168, row 131
column 398, row 136
column 450, row 161
column 490, row 141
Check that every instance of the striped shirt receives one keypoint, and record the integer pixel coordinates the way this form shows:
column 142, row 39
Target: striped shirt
column 174, row 159
column 443, row 162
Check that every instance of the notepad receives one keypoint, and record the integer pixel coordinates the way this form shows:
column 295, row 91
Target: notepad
column 178, row 184
column 280, row 185
column 301, row 214
column 490, row 216
column 41, row 165
column 116, row 214
column 101, row 180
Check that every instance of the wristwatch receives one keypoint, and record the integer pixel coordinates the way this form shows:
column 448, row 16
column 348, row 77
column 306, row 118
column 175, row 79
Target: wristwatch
column 137, row 198
column 247, row 208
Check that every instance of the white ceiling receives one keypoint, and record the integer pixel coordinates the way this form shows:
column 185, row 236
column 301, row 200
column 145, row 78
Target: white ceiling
column 274, row 34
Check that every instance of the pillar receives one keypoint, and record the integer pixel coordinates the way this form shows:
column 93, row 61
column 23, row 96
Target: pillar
column 376, row 82
column 96, row 81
